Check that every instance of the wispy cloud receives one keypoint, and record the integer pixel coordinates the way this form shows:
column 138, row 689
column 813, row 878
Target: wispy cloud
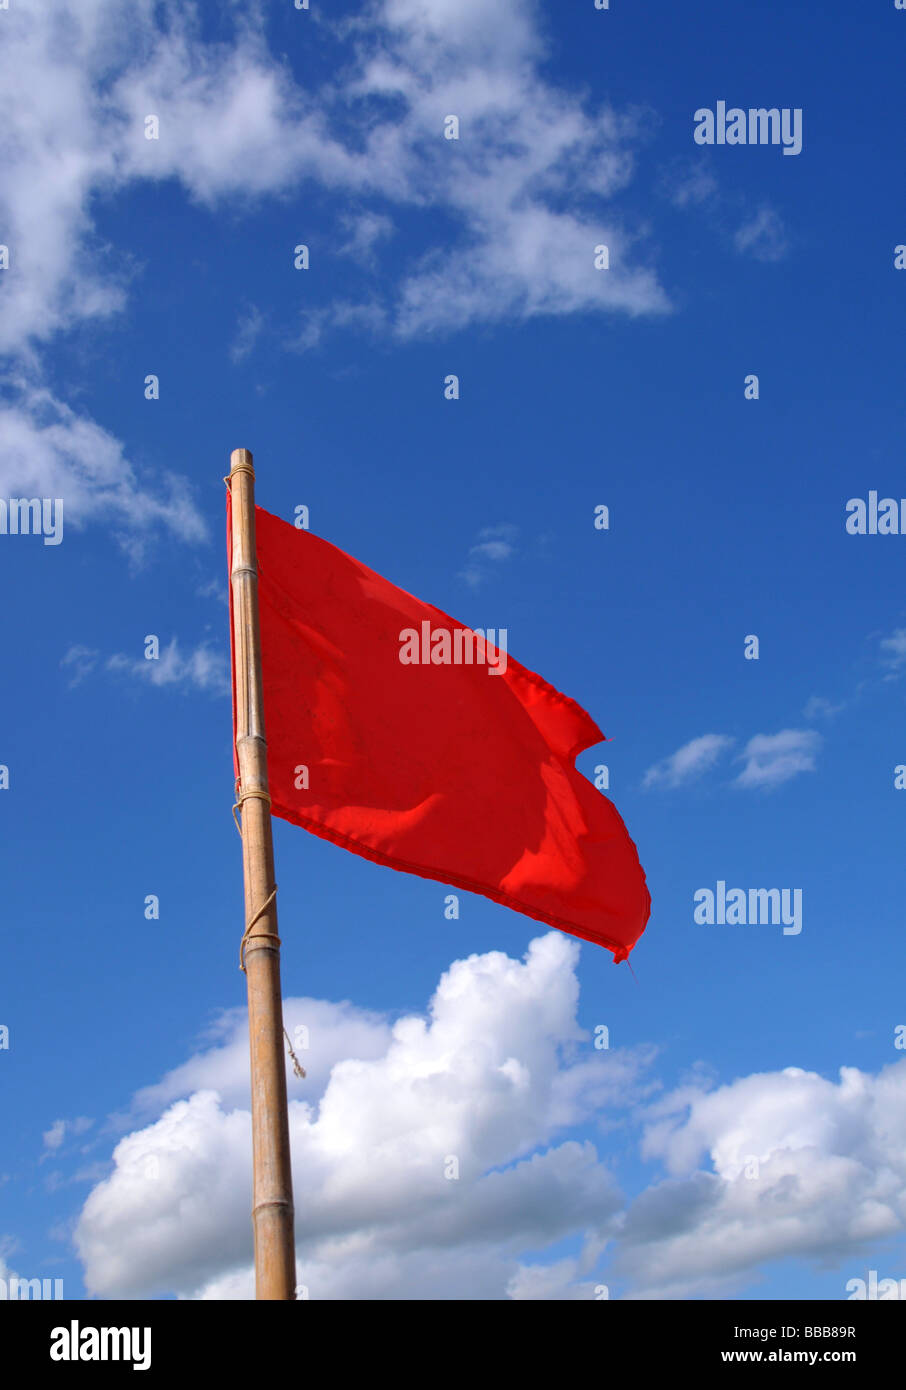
column 893, row 649
column 689, row 184
column 771, row 759
column 48, row 450
column 525, row 187
column 365, row 230
column 368, row 316
column 526, row 194
column 692, row 186
column 248, row 329
column 493, row 545
column 817, row 707
column 53, row 1137
column 80, row 661
column 215, row 587
column 688, row 762
column 762, row 236
column 201, row 668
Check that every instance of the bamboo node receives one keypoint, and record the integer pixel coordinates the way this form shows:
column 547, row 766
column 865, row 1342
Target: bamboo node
column 260, row 913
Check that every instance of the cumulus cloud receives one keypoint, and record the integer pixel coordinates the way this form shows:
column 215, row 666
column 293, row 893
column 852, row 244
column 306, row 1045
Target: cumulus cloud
column 777, row 1165
column 322, row 1033
column 800, row 1166
column 483, row 1086
column 695, row 757
column 771, row 759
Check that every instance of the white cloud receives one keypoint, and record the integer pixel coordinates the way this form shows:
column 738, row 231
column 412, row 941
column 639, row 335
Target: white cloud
column 524, row 191
column 817, row 707
column 553, row 1282
column 47, row 450
column 202, row 667
column 763, row 236
column 53, row 1137
column 335, row 1032
column 771, row 759
column 215, row 587
column 7, row 1274
column 365, row 316
column 71, row 73
column 772, row 1166
column 56, row 155
column 893, row 648
column 82, row 661
column 690, row 185
column 799, row 1167
column 493, row 545
column 524, row 183
column 526, row 261
column 695, row 757
column 492, row 1076
column 365, row 231
column 248, row 330
column 492, row 550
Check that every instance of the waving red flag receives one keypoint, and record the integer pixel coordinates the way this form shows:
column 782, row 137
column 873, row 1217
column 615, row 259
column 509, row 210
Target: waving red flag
column 396, row 732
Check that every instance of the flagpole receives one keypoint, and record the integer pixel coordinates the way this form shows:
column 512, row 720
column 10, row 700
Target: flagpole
column 272, row 1204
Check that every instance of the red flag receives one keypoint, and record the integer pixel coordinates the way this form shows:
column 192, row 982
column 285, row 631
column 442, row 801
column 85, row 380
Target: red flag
column 385, row 739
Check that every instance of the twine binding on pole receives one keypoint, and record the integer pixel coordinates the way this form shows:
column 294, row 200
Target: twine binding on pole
column 237, row 806
column 261, row 796
column 247, row 796
column 269, row 935
column 240, row 468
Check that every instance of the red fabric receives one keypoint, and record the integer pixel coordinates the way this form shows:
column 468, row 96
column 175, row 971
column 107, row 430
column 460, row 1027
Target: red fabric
column 446, row 771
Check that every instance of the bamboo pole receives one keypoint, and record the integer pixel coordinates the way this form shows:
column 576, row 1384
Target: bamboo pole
column 272, row 1206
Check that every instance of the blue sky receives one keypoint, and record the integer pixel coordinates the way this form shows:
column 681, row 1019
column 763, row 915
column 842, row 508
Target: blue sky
column 578, row 387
